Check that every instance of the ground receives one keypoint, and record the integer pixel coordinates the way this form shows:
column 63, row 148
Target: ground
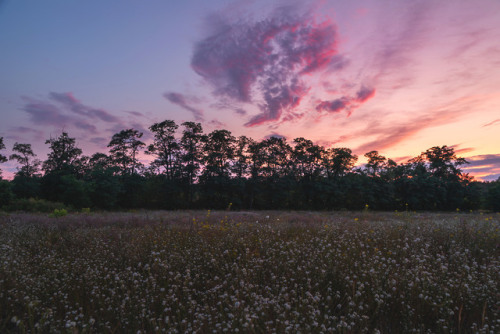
column 257, row 272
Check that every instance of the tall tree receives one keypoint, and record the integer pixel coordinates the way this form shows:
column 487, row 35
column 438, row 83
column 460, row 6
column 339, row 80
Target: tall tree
column 376, row 163
column 219, row 151
column 275, row 154
column 443, row 162
column 306, row 158
column 165, row 146
column 24, row 157
column 3, row 158
column 124, row 147
column 338, row 162
column 192, row 150
column 241, row 160
column 63, row 156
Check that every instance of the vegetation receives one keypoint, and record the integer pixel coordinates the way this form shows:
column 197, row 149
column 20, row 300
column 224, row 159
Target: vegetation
column 257, row 272
column 208, row 171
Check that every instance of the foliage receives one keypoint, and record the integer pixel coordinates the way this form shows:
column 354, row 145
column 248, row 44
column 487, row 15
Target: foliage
column 24, row 157
column 124, row 147
column 199, row 170
column 64, row 155
column 58, row 213
column 252, row 272
column 6, row 194
column 3, row 158
column 33, row 205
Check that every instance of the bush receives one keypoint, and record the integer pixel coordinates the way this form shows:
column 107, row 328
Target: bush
column 58, row 213
column 6, row 194
column 33, row 205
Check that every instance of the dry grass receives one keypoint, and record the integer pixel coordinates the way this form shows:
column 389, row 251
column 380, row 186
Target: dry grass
column 257, row 272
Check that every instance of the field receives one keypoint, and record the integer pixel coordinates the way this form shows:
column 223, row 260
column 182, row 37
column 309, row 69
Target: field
column 250, row 272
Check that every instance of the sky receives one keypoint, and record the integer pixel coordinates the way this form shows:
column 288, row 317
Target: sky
column 398, row 77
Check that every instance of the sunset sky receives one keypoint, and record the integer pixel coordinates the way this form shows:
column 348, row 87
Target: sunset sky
column 394, row 76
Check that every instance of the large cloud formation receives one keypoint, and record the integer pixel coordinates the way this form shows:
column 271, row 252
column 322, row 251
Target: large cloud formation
column 266, row 62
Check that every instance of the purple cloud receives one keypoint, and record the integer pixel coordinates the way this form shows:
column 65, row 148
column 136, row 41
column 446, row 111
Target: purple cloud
column 275, row 135
column 240, row 111
column 101, row 141
column 346, row 103
column 243, row 60
column 135, row 113
column 46, row 114
column 217, row 124
column 336, row 105
column 74, row 105
column 184, row 102
column 364, row 94
column 85, row 126
column 68, row 112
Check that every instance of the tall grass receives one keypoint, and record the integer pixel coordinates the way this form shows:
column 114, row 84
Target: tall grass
column 256, row 272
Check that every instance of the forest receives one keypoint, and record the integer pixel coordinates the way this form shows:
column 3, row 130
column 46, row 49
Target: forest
column 190, row 169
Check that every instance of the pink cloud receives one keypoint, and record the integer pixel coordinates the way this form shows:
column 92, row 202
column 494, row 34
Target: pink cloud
column 184, row 102
column 492, row 123
column 267, row 59
column 346, row 103
column 389, row 135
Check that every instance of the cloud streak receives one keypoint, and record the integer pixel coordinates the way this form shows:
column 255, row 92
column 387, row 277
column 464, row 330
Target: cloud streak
column 63, row 110
column 486, row 167
column 74, row 105
column 184, row 102
column 390, row 135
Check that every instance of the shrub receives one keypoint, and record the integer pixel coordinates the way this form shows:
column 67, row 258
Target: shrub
column 58, row 213
column 33, row 205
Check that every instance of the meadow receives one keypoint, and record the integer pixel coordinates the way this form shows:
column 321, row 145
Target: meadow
column 250, row 272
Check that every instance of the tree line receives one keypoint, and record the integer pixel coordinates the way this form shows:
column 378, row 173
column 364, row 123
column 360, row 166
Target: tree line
column 194, row 170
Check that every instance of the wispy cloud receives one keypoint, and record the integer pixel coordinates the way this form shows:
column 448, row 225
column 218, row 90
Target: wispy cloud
column 19, row 133
column 74, row 105
column 184, row 102
column 391, row 134
column 497, row 121
column 42, row 113
column 485, row 167
column 64, row 112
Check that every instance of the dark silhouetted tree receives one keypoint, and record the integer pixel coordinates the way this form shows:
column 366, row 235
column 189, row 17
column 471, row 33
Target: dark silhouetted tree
column 192, row 150
column 241, row 160
column 124, row 147
column 443, row 162
column 25, row 157
column 219, row 150
column 63, row 155
column 306, row 159
column 3, row 158
column 338, row 162
column 26, row 182
column 165, row 147
column 375, row 164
